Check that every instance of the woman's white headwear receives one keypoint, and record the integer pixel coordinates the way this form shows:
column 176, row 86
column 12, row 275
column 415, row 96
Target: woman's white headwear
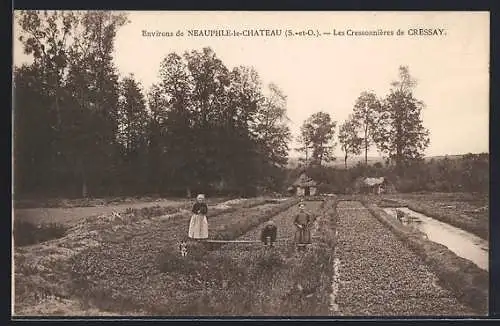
column 270, row 223
column 200, row 196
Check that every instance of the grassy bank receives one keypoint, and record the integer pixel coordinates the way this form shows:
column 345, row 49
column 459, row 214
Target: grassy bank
column 458, row 220
column 467, row 281
column 468, row 212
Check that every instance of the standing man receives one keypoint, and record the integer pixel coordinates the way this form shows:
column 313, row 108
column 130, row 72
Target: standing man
column 302, row 222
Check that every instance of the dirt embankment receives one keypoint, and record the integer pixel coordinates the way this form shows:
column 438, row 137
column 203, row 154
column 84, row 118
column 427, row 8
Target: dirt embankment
column 465, row 280
column 380, row 276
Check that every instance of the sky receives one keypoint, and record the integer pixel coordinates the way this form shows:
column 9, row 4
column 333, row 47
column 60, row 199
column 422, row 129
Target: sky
column 328, row 73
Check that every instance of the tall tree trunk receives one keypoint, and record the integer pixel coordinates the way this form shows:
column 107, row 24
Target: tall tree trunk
column 366, row 153
column 84, row 183
column 345, row 161
column 366, row 145
column 83, row 177
column 84, row 188
column 399, row 144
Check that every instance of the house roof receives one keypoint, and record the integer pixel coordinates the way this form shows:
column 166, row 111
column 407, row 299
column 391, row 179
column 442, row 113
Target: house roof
column 369, row 181
column 304, row 181
column 373, row 181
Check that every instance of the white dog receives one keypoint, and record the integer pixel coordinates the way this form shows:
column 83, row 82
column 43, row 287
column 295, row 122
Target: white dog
column 183, row 248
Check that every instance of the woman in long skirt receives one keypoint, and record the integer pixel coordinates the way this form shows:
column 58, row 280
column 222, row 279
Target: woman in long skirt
column 198, row 225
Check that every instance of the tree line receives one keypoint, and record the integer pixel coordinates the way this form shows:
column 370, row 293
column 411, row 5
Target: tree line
column 82, row 130
column 463, row 173
column 393, row 124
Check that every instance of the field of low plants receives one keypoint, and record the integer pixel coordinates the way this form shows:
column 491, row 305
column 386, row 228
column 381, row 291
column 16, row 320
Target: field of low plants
column 380, row 276
column 43, row 271
column 129, row 263
column 461, row 277
column 256, row 281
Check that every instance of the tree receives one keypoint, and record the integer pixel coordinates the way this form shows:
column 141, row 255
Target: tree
column 318, row 132
column 400, row 133
column 475, row 172
column 209, row 79
column 240, row 167
column 305, row 145
column 94, row 88
column 77, row 125
column 132, row 114
column 32, row 132
column 269, row 126
column 220, row 130
column 72, row 55
column 350, row 142
column 157, row 104
column 271, row 134
column 45, row 36
column 133, row 120
column 175, row 114
column 365, row 114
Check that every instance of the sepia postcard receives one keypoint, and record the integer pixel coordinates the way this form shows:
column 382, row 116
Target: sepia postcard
column 244, row 164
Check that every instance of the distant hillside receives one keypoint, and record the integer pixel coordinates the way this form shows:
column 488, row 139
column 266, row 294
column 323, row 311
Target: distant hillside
column 293, row 162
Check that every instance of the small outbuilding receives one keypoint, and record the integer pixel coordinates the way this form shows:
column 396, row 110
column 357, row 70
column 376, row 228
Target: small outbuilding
column 367, row 185
column 305, row 186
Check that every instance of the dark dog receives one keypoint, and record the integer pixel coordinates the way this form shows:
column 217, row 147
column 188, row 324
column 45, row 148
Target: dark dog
column 269, row 233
